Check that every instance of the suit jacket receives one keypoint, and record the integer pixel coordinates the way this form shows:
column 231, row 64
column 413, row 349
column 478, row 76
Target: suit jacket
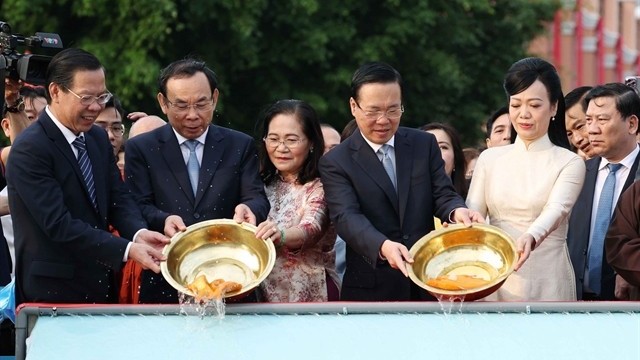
column 64, row 253
column 157, row 175
column 366, row 209
column 580, row 230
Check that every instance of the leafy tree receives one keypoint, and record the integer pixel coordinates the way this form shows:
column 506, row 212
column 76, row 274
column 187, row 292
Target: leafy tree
column 452, row 54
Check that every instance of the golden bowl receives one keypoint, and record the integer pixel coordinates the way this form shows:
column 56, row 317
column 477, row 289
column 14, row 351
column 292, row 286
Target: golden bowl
column 218, row 249
column 480, row 251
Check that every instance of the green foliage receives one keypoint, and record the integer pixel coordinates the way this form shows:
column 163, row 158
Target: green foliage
column 452, row 54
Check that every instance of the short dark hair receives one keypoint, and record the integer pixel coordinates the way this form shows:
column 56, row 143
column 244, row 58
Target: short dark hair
column 185, row 68
column 496, row 114
column 306, row 115
column 525, row 72
column 115, row 103
column 627, row 101
column 374, row 72
column 576, row 96
column 64, row 65
column 459, row 163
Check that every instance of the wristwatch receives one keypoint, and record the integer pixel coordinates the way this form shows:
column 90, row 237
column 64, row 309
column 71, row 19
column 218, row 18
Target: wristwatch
column 17, row 107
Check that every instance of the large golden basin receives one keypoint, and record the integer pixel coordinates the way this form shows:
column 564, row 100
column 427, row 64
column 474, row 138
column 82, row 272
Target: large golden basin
column 481, row 251
column 219, row 249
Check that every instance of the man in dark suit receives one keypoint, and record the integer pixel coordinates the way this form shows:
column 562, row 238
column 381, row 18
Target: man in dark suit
column 64, row 191
column 378, row 222
column 612, row 121
column 189, row 170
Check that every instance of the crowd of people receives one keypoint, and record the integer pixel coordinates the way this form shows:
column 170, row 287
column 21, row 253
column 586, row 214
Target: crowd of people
column 86, row 212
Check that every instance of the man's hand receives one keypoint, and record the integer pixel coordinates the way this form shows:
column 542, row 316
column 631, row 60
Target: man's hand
column 622, row 289
column 173, row 224
column 134, row 116
column 148, row 257
column 244, row 214
column 396, row 254
column 153, row 239
column 524, row 246
column 466, row 216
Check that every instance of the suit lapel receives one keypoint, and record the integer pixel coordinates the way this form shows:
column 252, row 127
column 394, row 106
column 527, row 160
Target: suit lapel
column 632, row 173
column 210, row 160
column 364, row 156
column 172, row 154
column 403, row 170
column 61, row 143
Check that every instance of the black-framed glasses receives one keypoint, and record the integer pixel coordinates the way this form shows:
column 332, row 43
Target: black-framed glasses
column 291, row 143
column 116, row 129
column 87, row 100
column 392, row 114
column 183, row 107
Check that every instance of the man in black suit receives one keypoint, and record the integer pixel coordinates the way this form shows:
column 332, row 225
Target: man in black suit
column 64, row 191
column 383, row 186
column 612, row 121
column 189, row 170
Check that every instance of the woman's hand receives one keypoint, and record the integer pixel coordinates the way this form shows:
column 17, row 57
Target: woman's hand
column 524, row 245
column 269, row 229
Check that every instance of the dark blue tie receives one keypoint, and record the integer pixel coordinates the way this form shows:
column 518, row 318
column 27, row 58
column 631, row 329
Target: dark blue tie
column 603, row 218
column 193, row 167
column 85, row 168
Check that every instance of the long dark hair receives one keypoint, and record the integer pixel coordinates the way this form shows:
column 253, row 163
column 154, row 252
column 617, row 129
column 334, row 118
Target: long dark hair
column 306, row 115
column 525, row 72
column 459, row 163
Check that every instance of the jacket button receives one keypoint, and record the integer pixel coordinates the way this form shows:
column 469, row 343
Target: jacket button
column 406, row 237
column 196, row 216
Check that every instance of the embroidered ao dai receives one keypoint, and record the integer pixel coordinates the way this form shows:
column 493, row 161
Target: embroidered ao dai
column 301, row 275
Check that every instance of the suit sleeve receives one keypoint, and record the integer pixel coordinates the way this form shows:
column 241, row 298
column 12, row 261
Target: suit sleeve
column 622, row 243
column 252, row 188
column 352, row 225
column 138, row 178
column 32, row 174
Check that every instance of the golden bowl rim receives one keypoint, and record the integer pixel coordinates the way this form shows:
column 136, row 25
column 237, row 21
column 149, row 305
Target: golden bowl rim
column 164, row 269
column 467, row 292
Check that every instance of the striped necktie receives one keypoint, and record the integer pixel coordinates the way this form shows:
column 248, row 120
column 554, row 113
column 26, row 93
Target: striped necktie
column 85, row 168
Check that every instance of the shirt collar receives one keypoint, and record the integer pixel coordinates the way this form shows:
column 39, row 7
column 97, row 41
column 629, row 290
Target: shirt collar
column 200, row 139
column 627, row 162
column 377, row 147
column 68, row 134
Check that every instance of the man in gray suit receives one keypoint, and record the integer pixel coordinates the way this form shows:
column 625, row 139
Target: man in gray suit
column 612, row 120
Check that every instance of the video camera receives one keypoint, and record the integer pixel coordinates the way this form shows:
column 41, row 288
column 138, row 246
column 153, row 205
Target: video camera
column 29, row 68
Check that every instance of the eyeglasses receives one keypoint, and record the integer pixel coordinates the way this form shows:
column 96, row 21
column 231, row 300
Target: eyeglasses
column 391, row 114
column 290, row 143
column 87, row 100
column 183, row 107
column 116, row 129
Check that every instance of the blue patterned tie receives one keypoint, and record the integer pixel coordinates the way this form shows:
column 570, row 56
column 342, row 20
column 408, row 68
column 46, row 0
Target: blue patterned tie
column 193, row 167
column 387, row 163
column 603, row 218
column 85, row 168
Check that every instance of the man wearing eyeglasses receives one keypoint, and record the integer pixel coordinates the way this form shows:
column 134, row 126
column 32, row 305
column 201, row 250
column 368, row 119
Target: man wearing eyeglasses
column 189, row 170
column 383, row 186
column 64, row 190
column 110, row 120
